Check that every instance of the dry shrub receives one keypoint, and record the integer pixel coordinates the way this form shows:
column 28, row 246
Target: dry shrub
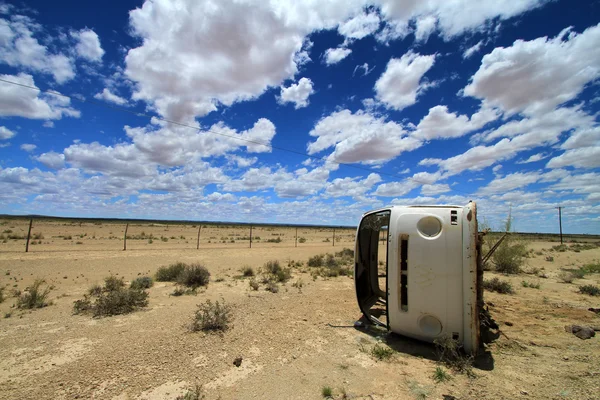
column 34, row 296
column 591, row 290
column 211, row 317
column 275, row 272
column 169, row 273
column 496, row 285
column 112, row 299
column 247, row 271
column 253, row 284
column 194, row 276
column 451, row 355
column 143, row 282
column 508, row 257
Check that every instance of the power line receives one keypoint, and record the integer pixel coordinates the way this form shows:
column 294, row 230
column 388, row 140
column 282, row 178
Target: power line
column 141, row 114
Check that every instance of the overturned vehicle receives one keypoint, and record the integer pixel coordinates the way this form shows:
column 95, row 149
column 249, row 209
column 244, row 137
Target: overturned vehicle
column 418, row 272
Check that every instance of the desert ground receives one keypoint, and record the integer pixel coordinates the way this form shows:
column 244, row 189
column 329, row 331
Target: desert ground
column 293, row 343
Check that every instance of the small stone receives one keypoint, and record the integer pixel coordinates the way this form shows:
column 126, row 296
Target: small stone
column 524, row 392
column 238, row 361
column 566, row 358
column 508, row 323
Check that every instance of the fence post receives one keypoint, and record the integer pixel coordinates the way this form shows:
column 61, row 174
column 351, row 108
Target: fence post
column 296, row 243
column 198, row 242
column 250, row 236
column 28, row 235
column 125, row 237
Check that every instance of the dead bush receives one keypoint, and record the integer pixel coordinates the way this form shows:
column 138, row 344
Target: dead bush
column 211, row 317
column 169, row 273
column 112, row 299
column 508, row 257
column 452, row 355
column 194, row 276
column 275, row 272
column 272, row 287
column 591, row 290
column 253, row 284
column 143, row 282
column 499, row 286
column 34, row 296
column 247, row 271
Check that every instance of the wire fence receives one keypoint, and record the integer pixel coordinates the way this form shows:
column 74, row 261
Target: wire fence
column 72, row 235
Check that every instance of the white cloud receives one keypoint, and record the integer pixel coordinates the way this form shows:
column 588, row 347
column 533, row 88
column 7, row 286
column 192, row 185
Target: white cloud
column 28, row 147
column 196, row 55
column 425, row 27
column 583, row 138
column 533, row 158
column 167, row 146
column 88, row 45
column 365, row 68
column 107, row 95
column 584, row 157
column 360, row 137
column 510, row 182
column 48, row 124
column 352, row 187
column 435, row 189
column 17, row 101
column 334, row 56
column 52, row 160
column 359, row 26
column 439, row 123
column 534, row 77
column 399, row 86
column 297, row 93
column 19, row 48
column 6, row 133
column 241, row 162
column 453, row 17
column 394, row 189
column 473, row 49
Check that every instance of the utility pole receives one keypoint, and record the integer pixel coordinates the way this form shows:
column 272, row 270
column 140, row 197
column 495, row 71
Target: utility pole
column 560, row 222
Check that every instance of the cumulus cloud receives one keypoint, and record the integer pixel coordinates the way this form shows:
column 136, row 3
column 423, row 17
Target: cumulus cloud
column 360, row 26
column 232, row 51
column 28, row 147
column 439, row 123
column 20, row 48
column 6, row 133
column 297, row 93
column 534, row 77
column 18, row 101
column 107, row 95
column 360, row 137
column 352, row 187
column 88, row 45
column 401, row 83
column 334, row 56
column 452, row 17
column 52, row 160
column 425, row 27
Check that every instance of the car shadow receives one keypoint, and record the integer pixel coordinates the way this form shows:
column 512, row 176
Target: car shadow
column 402, row 344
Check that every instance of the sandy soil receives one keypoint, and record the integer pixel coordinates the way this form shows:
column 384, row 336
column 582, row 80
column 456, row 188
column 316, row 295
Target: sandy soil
column 293, row 342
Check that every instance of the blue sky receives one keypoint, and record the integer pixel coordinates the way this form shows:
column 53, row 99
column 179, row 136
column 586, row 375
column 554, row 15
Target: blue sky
column 380, row 102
